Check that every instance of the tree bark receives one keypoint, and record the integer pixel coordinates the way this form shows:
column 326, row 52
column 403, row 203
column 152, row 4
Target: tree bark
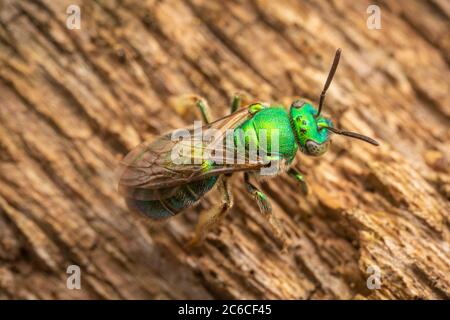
column 73, row 102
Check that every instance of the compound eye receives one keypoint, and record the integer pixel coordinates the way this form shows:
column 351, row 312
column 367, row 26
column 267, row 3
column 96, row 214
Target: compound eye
column 317, row 149
column 298, row 104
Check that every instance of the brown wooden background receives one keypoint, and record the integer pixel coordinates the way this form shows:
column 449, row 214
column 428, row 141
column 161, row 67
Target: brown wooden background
column 73, row 102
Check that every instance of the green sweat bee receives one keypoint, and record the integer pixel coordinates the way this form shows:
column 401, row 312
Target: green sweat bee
column 159, row 185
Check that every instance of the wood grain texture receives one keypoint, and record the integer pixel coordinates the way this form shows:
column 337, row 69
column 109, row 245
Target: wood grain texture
column 73, row 102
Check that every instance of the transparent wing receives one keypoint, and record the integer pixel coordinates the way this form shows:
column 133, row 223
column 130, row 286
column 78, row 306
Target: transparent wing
column 157, row 169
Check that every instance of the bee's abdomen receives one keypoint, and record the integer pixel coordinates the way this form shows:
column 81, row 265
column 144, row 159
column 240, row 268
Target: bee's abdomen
column 184, row 198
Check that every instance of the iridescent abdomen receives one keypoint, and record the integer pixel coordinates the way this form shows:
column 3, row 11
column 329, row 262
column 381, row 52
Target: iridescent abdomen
column 186, row 196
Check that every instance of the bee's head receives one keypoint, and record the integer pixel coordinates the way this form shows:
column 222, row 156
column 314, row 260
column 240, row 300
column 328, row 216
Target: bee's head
column 312, row 137
column 313, row 130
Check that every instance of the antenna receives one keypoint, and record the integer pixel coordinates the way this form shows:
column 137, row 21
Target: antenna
column 352, row 135
column 337, row 56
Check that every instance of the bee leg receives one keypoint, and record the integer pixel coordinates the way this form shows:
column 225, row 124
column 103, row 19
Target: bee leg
column 237, row 99
column 235, row 103
column 185, row 103
column 202, row 104
column 266, row 209
column 208, row 219
column 301, row 180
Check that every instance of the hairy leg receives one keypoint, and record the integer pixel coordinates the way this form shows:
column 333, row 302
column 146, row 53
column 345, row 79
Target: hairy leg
column 210, row 218
column 204, row 108
column 186, row 102
column 235, row 103
column 300, row 179
column 238, row 99
column 265, row 208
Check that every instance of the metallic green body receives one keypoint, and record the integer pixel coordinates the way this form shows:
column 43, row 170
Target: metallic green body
column 185, row 197
column 296, row 128
column 311, row 137
column 269, row 119
column 263, row 133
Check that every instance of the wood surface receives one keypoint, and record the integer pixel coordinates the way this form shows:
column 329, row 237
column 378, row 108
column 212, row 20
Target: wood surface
column 74, row 102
